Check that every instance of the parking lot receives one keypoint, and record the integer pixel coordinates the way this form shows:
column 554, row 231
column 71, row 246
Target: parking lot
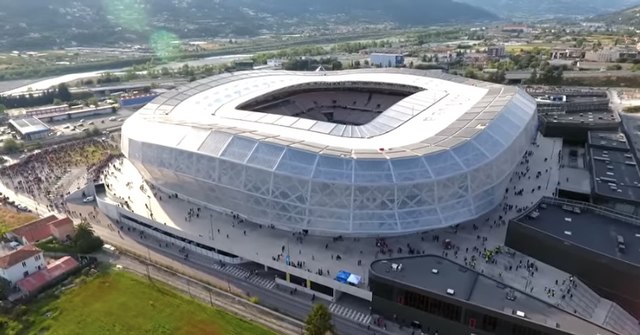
column 102, row 122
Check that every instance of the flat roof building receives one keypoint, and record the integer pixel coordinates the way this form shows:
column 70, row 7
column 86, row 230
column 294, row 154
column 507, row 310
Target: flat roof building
column 29, row 128
column 608, row 140
column 599, row 246
column 615, row 173
column 434, row 293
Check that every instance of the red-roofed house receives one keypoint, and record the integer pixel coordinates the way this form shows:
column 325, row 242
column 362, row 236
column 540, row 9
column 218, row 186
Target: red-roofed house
column 62, row 228
column 43, row 229
column 35, row 282
column 20, row 263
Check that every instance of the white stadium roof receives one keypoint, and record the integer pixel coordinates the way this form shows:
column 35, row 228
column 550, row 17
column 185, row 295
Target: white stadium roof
column 446, row 111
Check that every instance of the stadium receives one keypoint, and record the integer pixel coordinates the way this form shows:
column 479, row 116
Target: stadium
column 361, row 153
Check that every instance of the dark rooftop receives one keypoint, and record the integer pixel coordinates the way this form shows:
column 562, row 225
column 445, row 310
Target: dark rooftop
column 589, row 230
column 608, row 139
column 416, row 272
column 587, row 117
column 478, row 289
column 615, row 174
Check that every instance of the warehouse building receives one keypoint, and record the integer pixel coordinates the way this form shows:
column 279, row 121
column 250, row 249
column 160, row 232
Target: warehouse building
column 29, row 128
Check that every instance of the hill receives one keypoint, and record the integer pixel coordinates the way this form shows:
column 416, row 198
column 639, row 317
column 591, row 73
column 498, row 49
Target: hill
column 32, row 25
column 527, row 9
column 628, row 17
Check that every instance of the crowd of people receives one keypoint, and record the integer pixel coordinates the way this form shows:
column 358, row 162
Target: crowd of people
column 473, row 244
column 41, row 174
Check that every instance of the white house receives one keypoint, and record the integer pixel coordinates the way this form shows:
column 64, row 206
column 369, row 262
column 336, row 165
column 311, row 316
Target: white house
column 20, row 263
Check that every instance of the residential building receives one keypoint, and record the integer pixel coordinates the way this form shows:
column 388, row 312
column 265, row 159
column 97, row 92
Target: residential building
column 516, row 28
column 386, row 60
column 53, row 271
column 497, row 51
column 611, row 54
column 42, row 229
column 475, row 58
column 19, row 263
column 567, row 53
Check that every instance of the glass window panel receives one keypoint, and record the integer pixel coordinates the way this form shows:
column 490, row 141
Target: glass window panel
column 470, row 155
column 334, row 169
column 443, row 163
column 410, row 169
column 488, row 143
column 499, row 132
column 265, row 155
column 373, row 171
column 507, row 124
column 297, row 163
column 214, row 143
column 257, row 181
column 238, row 149
column 416, row 214
column 330, row 195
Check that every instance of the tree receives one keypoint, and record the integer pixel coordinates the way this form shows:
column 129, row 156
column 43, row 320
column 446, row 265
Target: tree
column 533, row 78
column 93, row 101
column 63, row 92
column 5, row 289
column 318, row 321
column 10, row 146
column 497, row 77
column 84, row 240
column 57, row 102
column 470, row 73
column 2, row 108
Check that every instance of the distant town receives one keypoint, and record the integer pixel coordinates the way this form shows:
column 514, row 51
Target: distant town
column 371, row 177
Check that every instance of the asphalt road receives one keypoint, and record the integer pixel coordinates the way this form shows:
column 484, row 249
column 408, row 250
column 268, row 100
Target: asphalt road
column 297, row 306
column 101, row 122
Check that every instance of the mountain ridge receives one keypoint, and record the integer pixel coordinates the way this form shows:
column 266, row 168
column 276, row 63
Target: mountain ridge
column 523, row 9
column 629, row 16
column 30, row 24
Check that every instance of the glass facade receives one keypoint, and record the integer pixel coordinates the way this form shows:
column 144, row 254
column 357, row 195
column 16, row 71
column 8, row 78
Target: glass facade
column 296, row 189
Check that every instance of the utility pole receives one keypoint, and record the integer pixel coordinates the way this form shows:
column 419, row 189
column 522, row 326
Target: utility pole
column 210, row 298
column 148, row 262
column 189, row 288
column 211, row 222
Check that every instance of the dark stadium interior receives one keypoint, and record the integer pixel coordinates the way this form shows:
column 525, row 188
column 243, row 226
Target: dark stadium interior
column 348, row 105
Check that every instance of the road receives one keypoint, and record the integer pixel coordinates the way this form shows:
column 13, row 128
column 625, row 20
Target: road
column 206, row 293
column 296, row 307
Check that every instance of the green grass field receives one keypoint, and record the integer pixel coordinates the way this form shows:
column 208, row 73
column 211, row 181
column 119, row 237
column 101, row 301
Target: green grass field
column 118, row 303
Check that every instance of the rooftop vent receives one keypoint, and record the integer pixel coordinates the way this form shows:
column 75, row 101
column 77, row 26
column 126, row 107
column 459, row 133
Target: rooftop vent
column 435, row 271
column 521, row 314
column 567, row 232
column 451, row 291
